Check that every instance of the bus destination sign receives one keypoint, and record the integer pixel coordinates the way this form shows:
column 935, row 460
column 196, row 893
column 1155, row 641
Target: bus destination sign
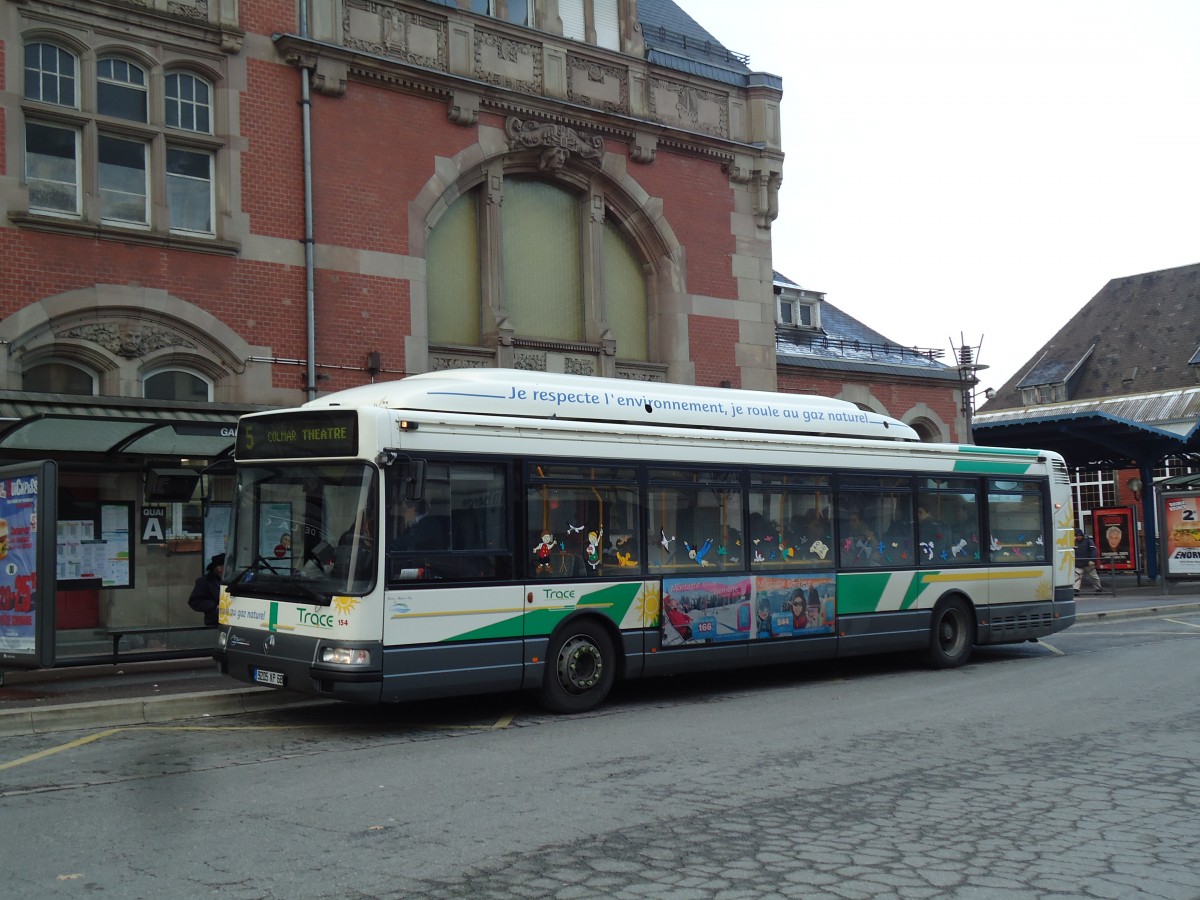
column 298, row 435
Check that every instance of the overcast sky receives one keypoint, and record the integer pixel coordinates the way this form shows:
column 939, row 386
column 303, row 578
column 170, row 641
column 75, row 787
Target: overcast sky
column 977, row 168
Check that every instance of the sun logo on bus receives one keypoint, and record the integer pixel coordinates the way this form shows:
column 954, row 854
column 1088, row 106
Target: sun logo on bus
column 1043, row 590
column 647, row 604
column 344, row 605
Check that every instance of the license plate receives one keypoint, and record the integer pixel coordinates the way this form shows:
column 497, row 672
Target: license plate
column 265, row 676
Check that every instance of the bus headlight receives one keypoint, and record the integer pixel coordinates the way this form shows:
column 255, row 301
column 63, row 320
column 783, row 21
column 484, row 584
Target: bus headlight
column 346, row 656
column 222, row 639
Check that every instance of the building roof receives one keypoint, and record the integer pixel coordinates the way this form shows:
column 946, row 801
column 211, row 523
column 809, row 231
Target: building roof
column 844, row 344
column 677, row 41
column 1126, row 363
column 1138, row 335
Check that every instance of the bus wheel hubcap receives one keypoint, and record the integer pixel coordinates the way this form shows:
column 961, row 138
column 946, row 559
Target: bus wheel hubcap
column 579, row 665
column 950, row 632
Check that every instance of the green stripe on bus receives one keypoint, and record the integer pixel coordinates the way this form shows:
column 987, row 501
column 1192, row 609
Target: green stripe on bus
column 998, row 451
column 511, row 627
column 860, row 592
column 991, row 468
column 612, row 601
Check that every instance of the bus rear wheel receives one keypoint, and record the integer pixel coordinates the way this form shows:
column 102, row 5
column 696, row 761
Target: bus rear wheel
column 951, row 634
column 580, row 669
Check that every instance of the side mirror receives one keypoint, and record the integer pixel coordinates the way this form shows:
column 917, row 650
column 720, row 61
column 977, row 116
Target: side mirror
column 414, row 480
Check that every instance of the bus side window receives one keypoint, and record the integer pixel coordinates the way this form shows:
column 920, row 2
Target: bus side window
column 1016, row 515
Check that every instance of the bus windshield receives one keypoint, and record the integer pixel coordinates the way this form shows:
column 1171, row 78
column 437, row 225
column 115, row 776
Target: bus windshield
column 304, row 531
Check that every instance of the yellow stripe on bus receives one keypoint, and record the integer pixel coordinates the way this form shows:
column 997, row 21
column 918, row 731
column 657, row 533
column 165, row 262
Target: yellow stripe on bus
column 930, row 577
column 466, row 612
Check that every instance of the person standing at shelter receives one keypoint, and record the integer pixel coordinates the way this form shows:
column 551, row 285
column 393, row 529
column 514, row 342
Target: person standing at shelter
column 206, row 593
column 1085, row 563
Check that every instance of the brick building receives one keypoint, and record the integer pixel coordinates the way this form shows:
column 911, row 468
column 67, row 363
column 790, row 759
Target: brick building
column 821, row 349
column 214, row 207
column 217, row 207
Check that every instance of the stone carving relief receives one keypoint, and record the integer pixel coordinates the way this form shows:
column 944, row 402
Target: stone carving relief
column 557, row 142
column 128, row 343
column 531, row 360
column 387, row 30
column 442, row 363
column 502, row 61
column 196, row 10
column 673, row 103
column 573, row 365
column 597, row 84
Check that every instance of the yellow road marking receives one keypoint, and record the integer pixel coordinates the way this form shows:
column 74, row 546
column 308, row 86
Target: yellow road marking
column 50, row 751
column 1051, row 648
column 503, row 722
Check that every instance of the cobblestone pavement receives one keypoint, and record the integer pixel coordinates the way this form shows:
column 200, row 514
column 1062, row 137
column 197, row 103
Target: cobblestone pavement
column 1129, row 826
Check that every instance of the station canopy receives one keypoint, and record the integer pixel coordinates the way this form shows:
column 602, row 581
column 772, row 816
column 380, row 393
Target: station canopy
column 57, row 423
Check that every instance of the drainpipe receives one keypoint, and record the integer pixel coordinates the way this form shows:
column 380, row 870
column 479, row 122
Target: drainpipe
column 310, row 305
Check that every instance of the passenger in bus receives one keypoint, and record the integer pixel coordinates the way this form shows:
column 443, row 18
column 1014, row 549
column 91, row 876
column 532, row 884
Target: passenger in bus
column 420, row 530
column 931, row 533
column 357, row 544
column 860, row 543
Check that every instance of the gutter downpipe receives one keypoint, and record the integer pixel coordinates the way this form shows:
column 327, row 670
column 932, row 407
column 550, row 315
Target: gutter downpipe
column 310, row 304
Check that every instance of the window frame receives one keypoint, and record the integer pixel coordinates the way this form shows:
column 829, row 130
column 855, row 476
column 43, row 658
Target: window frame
column 175, row 370
column 194, row 133
column 592, row 233
column 67, row 363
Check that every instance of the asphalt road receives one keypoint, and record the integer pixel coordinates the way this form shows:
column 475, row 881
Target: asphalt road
column 1061, row 769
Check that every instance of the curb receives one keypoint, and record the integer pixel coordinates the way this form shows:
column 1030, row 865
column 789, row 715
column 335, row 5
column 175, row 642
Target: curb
column 1137, row 612
column 146, row 710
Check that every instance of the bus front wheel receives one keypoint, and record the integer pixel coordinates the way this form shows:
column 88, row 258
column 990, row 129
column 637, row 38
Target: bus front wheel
column 580, row 669
column 951, row 634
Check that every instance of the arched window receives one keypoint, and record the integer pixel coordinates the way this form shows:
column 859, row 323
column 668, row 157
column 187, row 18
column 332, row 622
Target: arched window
column 452, row 266
column 190, row 195
column 568, row 274
column 58, row 378
column 121, row 90
column 176, row 384
column 625, row 294
column 188, row 103
column 543, row 287
column 50, row 75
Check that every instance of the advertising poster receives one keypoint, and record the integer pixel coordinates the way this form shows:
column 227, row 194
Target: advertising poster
column 1116, row 538
column 793, row 605
column 716, row 609
column 88, row 555
column 275, row 531
column 27, row 530
column 1181, row 534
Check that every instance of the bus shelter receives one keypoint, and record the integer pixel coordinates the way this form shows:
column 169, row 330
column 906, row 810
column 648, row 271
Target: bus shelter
column 1104, row 433
column 110, row 509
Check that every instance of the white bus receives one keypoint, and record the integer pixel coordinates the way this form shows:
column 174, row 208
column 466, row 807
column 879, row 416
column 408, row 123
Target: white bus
column 499, row 530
